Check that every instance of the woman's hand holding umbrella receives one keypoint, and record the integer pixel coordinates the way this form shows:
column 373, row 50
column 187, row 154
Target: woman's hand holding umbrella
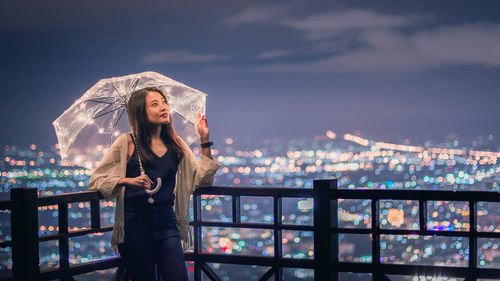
column 142, row 181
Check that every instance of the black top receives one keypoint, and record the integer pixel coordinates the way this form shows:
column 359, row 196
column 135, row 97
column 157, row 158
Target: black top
column 164, row 167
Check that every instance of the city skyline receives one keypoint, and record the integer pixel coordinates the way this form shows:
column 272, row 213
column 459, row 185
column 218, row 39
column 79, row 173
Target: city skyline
column 270, row 69
column 356, row 162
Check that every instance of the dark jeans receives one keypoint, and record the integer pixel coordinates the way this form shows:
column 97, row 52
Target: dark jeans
column 152, row 242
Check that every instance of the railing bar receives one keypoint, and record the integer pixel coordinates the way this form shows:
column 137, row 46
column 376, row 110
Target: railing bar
column 414, row 232
column 24, row 232
column 323, row 213
column 485, row 196
column 95, row 214
column 384, row 277
column 278, row 273
column 266, row 192
column 473, row 238
column 435, row 195
column 63, row 239
column 278, row 241
column 69, row 198
column 422, row 215
column 197, row 220
column 6, row 243
column 375, row 232
column 406, row 269
column 251, row 260
column 236, row 209
column 197, row 271
column 6, row 205
column 74, row 233
column 487, row 234
column 209, row 272
column 254, row 225
column 267, row 274
column 334, row 233
column 77, row 269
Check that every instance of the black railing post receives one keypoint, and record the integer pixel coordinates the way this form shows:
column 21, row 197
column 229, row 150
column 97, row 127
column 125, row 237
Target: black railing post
column 422, row 215
column 25, row 259
column 95, row 214
column 325, row 244
column 472, row 241
column 278, row 237
column 63, row 240
column 375, row 204
column 236, row 208
column 197, row 235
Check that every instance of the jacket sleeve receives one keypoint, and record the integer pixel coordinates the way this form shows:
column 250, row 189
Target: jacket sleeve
column 108, row 172
column 203, row 170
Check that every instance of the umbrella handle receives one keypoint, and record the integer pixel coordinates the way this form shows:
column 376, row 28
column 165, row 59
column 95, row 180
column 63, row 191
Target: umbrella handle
column 158, row 186
column 158, row 180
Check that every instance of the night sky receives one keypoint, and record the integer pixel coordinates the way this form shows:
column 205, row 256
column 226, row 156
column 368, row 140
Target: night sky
column 270, row 68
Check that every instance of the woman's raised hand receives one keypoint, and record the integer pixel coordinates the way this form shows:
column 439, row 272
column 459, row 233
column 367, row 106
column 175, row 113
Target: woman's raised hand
column 202, row 127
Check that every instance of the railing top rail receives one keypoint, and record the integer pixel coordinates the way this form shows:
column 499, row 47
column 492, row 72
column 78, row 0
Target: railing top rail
column 69, row 198
column 6, row 204
column 442, row 195
column 253, row 191
column 448, row 195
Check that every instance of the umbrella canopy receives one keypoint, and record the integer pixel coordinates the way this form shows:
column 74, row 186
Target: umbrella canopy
column 89, row 126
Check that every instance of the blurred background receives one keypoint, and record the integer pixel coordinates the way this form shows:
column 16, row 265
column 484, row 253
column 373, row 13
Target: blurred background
column 380, row 95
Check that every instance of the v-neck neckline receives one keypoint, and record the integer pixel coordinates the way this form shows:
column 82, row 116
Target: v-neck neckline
column 160, row 157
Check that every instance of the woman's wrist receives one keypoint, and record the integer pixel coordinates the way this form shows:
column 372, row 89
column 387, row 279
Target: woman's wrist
column 122, row 181
column 206, row 144
column 204, row 139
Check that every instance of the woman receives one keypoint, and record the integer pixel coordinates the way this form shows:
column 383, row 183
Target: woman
column 153, row 230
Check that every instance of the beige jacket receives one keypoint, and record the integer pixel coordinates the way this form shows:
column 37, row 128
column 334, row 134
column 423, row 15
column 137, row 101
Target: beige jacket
column 191, row 174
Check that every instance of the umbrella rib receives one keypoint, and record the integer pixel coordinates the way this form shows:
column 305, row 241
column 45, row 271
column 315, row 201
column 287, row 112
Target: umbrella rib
column 135, row 84
column 107, row 107
column 184, row 118
column 105, row 102
column 99, row 98
column 107, row 112
column 118, row 91
column 118, row 119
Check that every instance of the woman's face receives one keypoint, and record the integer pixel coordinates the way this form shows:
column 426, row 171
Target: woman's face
column 157, row 108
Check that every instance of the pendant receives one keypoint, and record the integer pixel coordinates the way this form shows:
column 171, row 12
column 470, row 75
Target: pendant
column 151, row 200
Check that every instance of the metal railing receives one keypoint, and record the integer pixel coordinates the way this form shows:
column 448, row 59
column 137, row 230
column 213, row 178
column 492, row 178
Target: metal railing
column 325, row 263
column 25, row 241
column 320, row 228
column 381, row 269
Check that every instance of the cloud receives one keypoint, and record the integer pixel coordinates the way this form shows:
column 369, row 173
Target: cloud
column 383, row 50
column 363, row 40
column 470, row 44
column 272, row 54
column 462, row 44
column 258, row 15
column 388, row 50
column 181, row 56
column 333, row 23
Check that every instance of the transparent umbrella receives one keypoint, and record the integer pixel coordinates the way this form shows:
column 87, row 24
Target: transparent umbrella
column 91, row 124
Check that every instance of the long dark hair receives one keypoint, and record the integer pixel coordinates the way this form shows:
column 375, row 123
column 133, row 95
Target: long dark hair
column 137, row 116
